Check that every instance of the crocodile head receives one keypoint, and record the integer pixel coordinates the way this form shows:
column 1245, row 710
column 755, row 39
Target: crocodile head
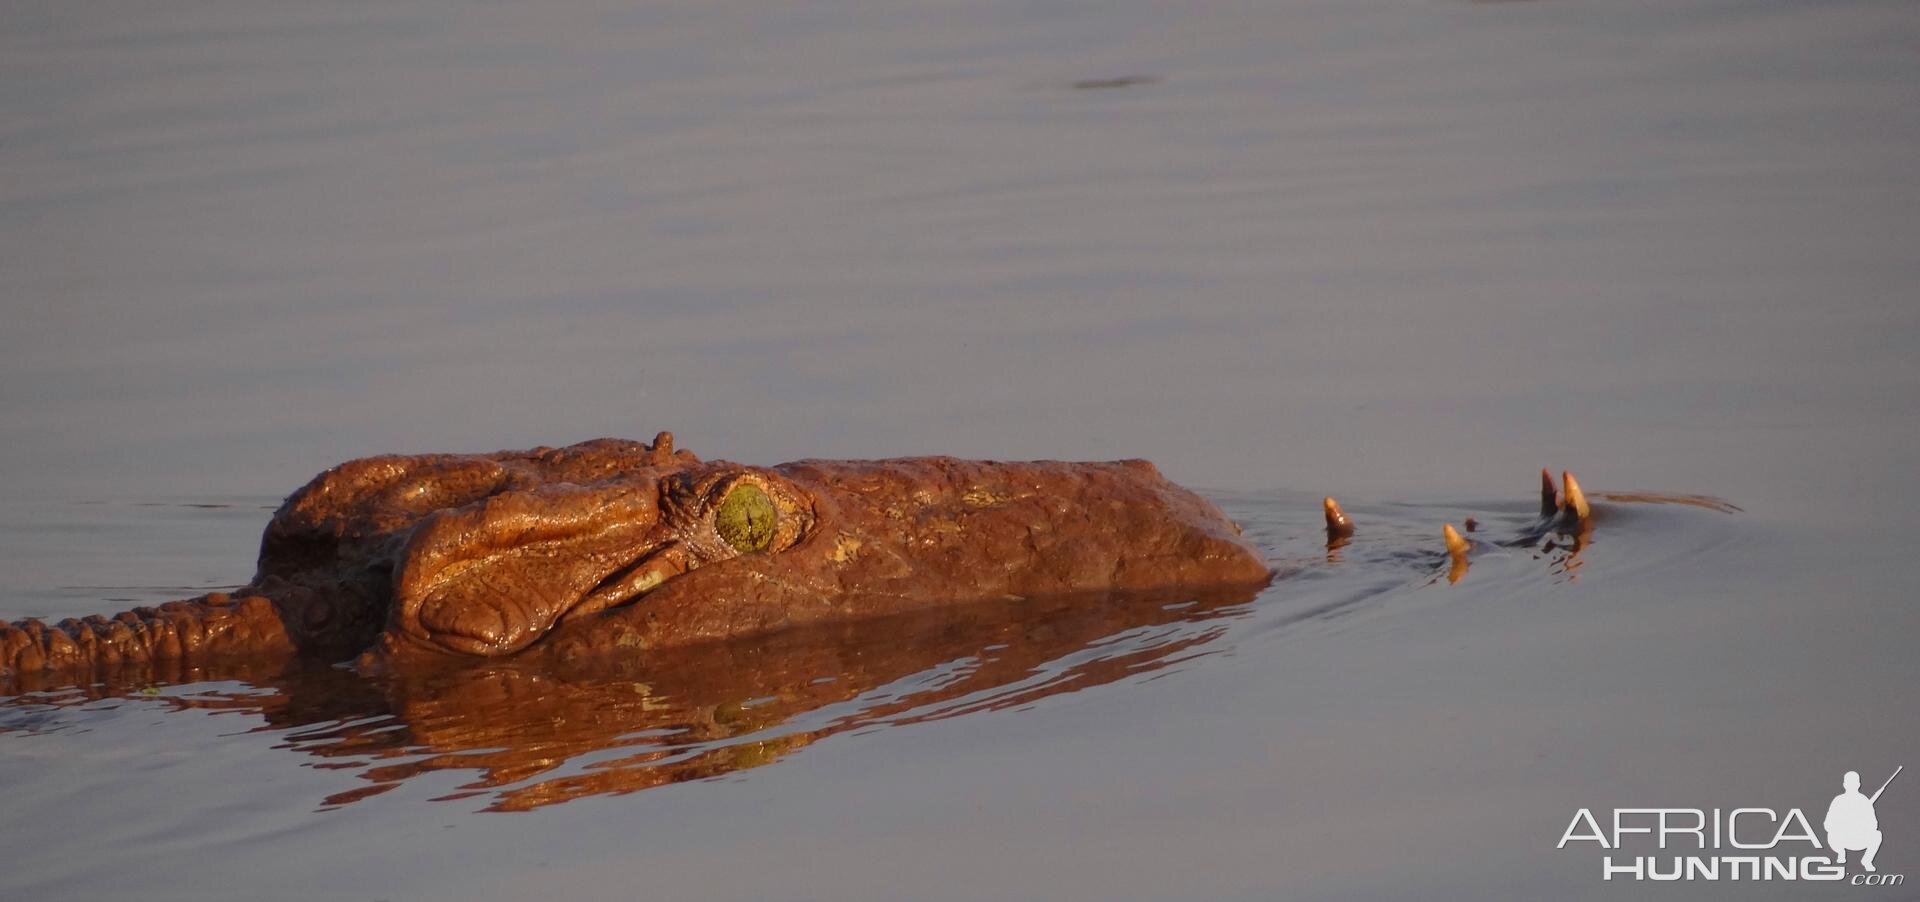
column 618, row 544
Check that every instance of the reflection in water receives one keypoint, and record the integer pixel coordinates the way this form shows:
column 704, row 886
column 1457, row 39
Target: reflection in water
column 541, row 735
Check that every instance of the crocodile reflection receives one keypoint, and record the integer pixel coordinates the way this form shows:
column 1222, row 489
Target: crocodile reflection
column 539, row 732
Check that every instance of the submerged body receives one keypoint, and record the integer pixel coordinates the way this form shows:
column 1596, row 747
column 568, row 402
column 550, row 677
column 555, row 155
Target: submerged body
column 615, row 546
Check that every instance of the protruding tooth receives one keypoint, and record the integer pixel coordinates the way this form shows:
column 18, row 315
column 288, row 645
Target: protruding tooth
column 1576, row 499
column 1339, row 526
column 1549, row 500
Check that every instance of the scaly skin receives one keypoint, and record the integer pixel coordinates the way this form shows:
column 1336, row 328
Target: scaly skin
column 617, row 547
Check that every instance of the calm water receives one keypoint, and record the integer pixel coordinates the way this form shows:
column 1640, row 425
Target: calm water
column 1404, row 252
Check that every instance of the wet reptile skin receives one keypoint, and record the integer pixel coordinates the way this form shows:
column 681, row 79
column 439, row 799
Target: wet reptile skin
column 617, row 547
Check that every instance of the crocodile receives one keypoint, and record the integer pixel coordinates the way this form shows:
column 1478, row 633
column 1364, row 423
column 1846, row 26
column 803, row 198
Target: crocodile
column 614, row 548
column 668, row 619
column 620, row 547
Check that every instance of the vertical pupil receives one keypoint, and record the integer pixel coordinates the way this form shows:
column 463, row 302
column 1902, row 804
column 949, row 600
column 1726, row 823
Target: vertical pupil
column 745, row 518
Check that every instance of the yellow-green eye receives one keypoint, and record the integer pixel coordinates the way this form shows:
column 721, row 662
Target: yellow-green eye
column 745, row 518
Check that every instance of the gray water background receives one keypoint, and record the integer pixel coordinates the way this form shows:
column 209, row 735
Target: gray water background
column 1396, row 251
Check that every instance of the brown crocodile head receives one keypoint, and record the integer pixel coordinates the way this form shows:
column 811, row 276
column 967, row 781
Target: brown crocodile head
column 617, row 544
column 613, row 546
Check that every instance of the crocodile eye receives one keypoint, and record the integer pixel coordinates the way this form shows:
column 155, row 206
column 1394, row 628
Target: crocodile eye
column 745, row 518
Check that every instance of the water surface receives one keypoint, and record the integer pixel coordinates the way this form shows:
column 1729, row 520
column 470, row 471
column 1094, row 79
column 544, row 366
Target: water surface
column 1403, row 252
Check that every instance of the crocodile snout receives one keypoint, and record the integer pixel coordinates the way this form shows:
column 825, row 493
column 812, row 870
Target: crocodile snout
column 491, row 578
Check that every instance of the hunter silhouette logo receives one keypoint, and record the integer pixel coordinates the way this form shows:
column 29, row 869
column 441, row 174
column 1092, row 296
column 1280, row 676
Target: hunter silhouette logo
column 1851, row 824
column 1740, row 843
